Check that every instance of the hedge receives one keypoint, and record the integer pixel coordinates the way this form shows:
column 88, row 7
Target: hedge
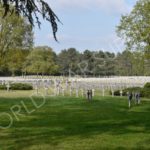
column 17, row 86
column 147, row 85
column 124, row 92
column 144, row 92
column 3, row 87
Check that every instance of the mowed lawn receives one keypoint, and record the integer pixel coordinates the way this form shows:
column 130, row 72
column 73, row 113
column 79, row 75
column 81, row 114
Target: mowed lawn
column 64, row 123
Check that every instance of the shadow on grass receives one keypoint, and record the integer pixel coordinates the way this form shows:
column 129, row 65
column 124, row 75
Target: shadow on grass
column 59, row 120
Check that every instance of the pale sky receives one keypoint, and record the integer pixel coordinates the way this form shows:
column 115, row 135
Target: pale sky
column 87, row 24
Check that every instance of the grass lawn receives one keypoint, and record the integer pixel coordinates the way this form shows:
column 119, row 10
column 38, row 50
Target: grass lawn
column 64, row 123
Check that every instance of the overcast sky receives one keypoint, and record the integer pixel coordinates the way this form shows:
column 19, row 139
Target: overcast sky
column 87, row 24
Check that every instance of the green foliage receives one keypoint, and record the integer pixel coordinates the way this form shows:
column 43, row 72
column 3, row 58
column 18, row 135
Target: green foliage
column 65, row 123
column 124, row 63
column 116, row 93
column 3, row 87
column 31, row 9
column 87, row 63
column 144, row 92
column 17, row 86
column 15, row 33
column 125, row 91
column 41, row 60
column 129, row 63
column 16, row 59
column 147, row 85
column 134, row 28
column 68, row 61
column 21, row 86
column 16, row 37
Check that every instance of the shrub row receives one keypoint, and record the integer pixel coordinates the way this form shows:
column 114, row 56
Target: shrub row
column 3, row 87
column 144, row 92
column 17, row 86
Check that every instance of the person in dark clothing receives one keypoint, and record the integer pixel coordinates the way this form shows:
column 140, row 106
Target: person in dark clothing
column 130, row 95
column 138, row 97
column 89, row 95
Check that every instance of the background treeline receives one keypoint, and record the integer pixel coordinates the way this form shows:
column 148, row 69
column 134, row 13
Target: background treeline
column 18, row 56
column 43, row 60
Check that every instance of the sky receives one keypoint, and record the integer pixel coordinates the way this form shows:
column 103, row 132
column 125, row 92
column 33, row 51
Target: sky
column 87, row 24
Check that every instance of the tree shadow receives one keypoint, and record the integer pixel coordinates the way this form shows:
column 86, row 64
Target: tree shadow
column 54, row 123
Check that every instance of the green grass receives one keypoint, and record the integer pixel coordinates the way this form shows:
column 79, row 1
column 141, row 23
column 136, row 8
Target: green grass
column 21, row 93
column 65, row 123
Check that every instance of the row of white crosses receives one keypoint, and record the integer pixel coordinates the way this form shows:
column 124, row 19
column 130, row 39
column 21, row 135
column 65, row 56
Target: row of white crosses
column 7, row 83
column 71, row 86
column 61, row 85
column 105, row 85
column 38, row 84
column 60, row 89
column 65, row 86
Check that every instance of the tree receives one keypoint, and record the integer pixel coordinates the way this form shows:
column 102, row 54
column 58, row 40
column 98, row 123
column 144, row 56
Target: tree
column 98, row 63
column 41, row 61
column 147, row 62
column 15, row 60
column 31, row 10
column 15, row 33
column 124, row 64
column 87, row 64
column 15, row 36
column 138, row 63
column 68, row 61
column 134, row 28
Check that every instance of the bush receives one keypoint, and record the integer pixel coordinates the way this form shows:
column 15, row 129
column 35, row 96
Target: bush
column 124, row 92
column 17, row 86
column 116, row 93
column 147, row 85
column 144, row 92
column 133, row 89
column 3, row 87
column 20, row 86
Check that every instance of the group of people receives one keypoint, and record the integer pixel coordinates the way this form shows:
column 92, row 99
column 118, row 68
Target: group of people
column 133, row 97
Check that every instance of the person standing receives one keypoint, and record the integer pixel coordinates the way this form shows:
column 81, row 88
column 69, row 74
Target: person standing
column 136, row 98
column 89, row 95
column 138, row 95
column 130, row 98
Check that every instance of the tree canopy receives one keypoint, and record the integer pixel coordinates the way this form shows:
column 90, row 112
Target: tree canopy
column 134, row 28
column 41, row 61
column 16, row 39
column 31, row 9
column 15, row 33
